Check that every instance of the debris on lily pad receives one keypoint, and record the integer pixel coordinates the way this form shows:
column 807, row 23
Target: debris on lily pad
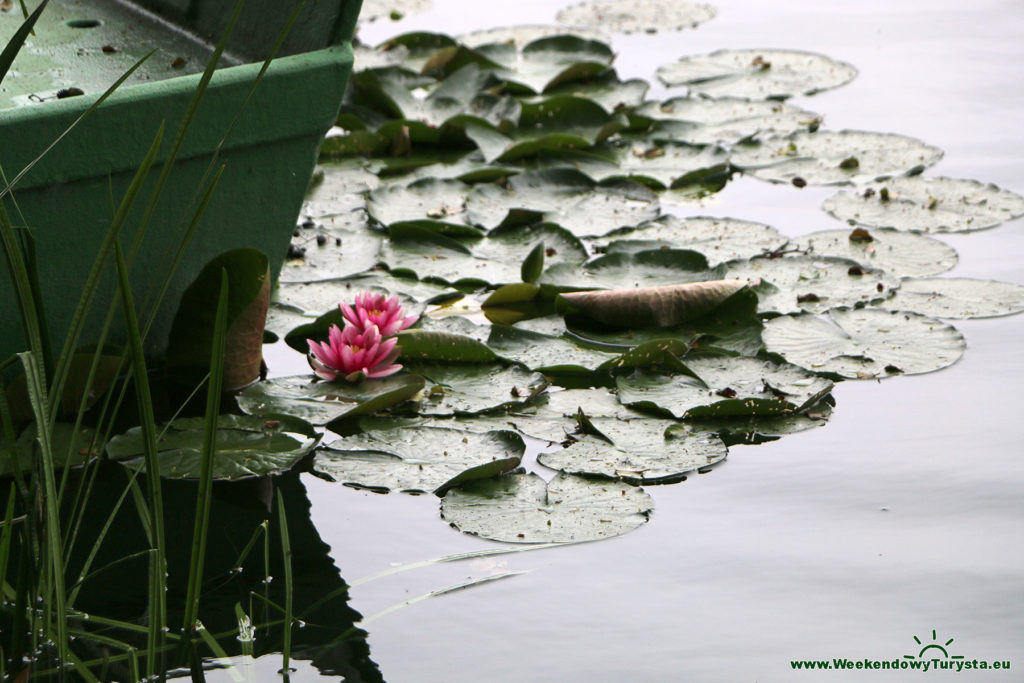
column 865, row 343
column 663, row 306
column 624, row 16
column 934, row 205
column 418, row 459
column 523, row 508
column 453, row 388
column 726, row 121
column 757, row 74
column 899, row 253
column 834, row 157
column 957, row 297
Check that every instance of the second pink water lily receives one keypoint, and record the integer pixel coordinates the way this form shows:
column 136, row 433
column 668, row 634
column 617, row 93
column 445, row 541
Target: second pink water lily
column 352, row 354
column 376, row 309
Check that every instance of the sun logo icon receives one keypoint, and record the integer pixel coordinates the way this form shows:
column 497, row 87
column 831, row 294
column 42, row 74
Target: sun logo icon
column 933, row 650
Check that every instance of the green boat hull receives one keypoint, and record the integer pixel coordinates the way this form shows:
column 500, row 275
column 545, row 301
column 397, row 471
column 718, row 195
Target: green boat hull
column 265, row 140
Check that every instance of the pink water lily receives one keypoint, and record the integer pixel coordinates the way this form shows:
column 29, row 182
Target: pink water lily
column 353, row 354
column 376, row 309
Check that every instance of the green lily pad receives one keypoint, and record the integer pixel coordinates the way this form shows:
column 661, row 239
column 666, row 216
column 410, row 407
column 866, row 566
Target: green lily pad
column 899, row 253
column 341, row 191
column 246, row 446
column 474, row 388
column 757, row 429
column 312, row 299
column 321, row 403
column 725, row 121
column 606, row 89
column 523, row 35
column 419, row 459
column 639, row 451
column 563, row 196
column 70, row 447
column 622, row 16
column 719, row 239
column 338, row 247
column 624, row 271
column 756, row 74
column 427, row 202
column 548, row 62
column 927, row 205
column 544, row 353
column 661, row 165
column 957, row 297
column 493, row 260
column 809, row 283
column 865, row 343
column 724, row 386
column 443, row 346
column 522, row 508
column 664, row 306
column 834, row 157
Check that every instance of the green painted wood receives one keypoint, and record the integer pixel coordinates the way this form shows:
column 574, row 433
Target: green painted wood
column 269, row 157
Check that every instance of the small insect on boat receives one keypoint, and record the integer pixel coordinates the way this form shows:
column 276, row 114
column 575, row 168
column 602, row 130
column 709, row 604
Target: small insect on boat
column 266, row 137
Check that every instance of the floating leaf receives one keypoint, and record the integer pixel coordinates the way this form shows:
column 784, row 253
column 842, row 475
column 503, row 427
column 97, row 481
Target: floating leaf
column 474, row 388
column 756, row 429
column 662, row 306
column 756, row 74
column 338, row 247
column 702, row 121
column 563, row 196
column 719, row 239
column 724, row 386
column 522, row 508
column 865, row 343
column 624, row 271
column 834, row 158
column 899, row 253
column 341, row 191
column 642, row 451
column 623, row 16
column 557, row 122
column 523, row 35
column 607, row 90
column 544, row 353
column 795, row 283
column 419, row 459
column 323, row 402
column 423, row 202
column 373, row 10
column 444, row 347
column 927, row 205
column 957, row 297
column 246, row 447
column 71, row 447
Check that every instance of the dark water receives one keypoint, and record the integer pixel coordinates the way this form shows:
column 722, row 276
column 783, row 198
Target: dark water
column 902, row 515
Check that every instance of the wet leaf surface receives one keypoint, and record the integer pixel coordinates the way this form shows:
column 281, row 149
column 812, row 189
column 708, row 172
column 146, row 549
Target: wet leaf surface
column 957, row 297
column 622, row 16
column 901, row 254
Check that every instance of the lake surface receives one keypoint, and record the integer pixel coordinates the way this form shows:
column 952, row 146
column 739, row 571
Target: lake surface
column 903, row 515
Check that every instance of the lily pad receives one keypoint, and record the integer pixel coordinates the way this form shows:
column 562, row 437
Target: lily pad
column 725, row 386
column 640, row 451
column 663, row 306
column 443, row 346
column 474, row 388
column 834, row 157
column 523, row 35
column 70, row 447
column 246, row 447
column 957, row 297
column 808, row 283
column 607, row 90
column 726, row 121
column 321, row 403
column 927, row 205
column 865, row 343
column 341, row 191
column 522, row 508
column 393, row 9
column 719, row 239
column 563, row 196
column 756, row 74
column 338, row 247
column 419, row 459
column 899, row 253
column 661, row 164
column 625, row 271
column 423, row 202
column 544, row 353
column 756, row 429
column 623, row 16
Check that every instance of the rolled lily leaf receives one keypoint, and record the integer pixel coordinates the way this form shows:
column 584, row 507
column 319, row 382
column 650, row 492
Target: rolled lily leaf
column 662, row 306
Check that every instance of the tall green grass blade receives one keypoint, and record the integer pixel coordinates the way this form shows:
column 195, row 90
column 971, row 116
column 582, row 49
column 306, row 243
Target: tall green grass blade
column 286, row 551
column 16, row 42
column 202, row 517
column 158, row 566
column 54, row 559
column 219, row 653
column 6, row 536
column 22, row 284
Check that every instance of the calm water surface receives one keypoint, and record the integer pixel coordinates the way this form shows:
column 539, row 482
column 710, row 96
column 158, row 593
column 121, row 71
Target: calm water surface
column 902, row 515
